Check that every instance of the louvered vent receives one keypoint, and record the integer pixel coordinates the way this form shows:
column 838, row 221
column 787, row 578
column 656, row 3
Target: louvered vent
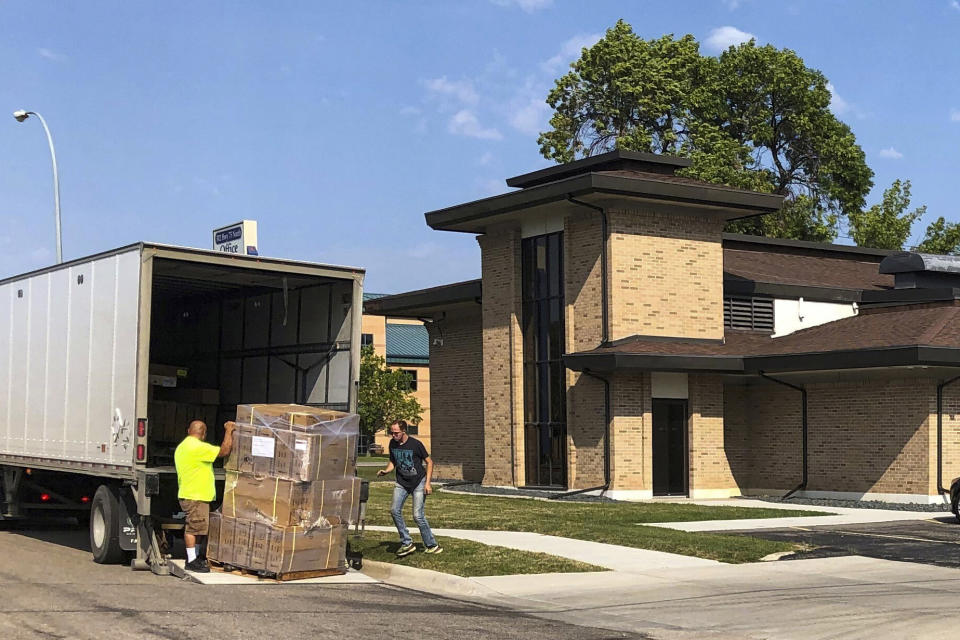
column 754, row 314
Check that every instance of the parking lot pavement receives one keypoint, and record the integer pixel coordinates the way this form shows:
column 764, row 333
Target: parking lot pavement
column 933, row 541
column 51, row 588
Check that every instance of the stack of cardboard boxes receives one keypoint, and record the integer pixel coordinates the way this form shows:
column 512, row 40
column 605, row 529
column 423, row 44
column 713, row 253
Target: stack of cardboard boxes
column 290, row 490
column 172, row 406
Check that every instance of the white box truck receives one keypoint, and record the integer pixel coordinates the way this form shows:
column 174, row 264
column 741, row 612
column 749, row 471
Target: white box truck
column 104, row 361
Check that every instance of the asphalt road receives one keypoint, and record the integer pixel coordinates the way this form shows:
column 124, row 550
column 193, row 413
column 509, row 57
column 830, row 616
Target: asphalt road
column 50, row 588
column 935, row 541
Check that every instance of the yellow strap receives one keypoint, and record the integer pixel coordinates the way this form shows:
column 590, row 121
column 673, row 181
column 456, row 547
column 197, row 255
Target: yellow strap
column 276, row 490
column 293, row 549
column 322, row 496
column 353, row 490
column 329, row 549
column 319, row 456
column 346, row 458
column 233, row 499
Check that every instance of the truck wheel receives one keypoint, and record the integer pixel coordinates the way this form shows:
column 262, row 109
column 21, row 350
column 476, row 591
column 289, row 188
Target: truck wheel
column 105, row 526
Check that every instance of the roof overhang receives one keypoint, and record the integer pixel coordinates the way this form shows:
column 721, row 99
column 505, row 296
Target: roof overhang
column 604, row 190
column 900, row 356
column 424, row 303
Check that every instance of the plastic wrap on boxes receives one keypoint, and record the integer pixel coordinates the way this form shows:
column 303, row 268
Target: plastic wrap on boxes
column 282, row 502
column 278, row 550
column 294, row 442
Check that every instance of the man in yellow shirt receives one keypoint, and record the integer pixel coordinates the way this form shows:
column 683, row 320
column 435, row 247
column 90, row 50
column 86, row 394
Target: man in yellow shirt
column 194, row 461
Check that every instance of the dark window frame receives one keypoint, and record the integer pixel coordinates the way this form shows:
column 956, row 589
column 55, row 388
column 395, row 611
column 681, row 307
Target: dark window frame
column 544, row 376
column 366, row 339
column 413, row 378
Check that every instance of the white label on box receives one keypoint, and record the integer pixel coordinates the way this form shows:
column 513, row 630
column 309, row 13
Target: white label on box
column 300, row 445
column 262, row 447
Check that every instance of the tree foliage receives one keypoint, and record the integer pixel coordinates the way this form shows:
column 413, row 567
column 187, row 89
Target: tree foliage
column 887, row 224
column 755, row 118
column 384, row 395
column 941, row 237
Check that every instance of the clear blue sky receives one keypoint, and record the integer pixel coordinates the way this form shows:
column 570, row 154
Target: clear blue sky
column 336, row 125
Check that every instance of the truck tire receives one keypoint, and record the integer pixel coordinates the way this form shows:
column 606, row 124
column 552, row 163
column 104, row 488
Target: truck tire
column 105, row 526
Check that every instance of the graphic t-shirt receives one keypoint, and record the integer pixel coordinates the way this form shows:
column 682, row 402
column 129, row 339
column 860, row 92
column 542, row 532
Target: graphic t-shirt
column 194, row 460
column 408, row 459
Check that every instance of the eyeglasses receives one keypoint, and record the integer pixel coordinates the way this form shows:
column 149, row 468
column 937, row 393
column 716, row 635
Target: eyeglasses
column 395, row 433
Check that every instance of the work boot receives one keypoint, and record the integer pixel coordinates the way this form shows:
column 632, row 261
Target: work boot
column 197, row 566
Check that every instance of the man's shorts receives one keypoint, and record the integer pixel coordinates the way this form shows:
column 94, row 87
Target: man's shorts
column 198, row 516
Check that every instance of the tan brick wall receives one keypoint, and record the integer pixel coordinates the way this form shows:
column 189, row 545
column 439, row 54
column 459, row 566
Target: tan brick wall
column 631, row 458
column 456, row 396
column 502, row 357
column 951, row 434
column 866, row 436
column 586, row 422
column 666, row 275
column 709, row 466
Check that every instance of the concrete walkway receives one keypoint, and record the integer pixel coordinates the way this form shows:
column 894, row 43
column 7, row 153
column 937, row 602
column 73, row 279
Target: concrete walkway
column 842, row 516
column 608, row 556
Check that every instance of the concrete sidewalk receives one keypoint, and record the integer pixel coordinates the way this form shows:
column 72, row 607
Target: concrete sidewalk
column 842, row 516
column 608, row 556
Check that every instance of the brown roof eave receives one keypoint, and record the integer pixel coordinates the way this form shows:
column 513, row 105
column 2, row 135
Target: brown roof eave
column 614, row 361
column 469, row 217
column 880, row 357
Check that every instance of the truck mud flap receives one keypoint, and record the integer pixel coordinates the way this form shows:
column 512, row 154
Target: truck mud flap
column 128, row 520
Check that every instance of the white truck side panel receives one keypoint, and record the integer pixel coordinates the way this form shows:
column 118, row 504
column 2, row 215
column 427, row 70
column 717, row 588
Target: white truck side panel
column 68, row 356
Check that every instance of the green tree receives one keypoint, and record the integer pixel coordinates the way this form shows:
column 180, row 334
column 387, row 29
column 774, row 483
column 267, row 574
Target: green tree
column 886, row 225
column 941, row 237
column 384, row 395
column 755, row 118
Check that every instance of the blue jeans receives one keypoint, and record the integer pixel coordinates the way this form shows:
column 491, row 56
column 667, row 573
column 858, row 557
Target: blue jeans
column 396, row 510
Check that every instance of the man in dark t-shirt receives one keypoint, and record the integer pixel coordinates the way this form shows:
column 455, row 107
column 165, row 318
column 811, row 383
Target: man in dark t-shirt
column 408, row 456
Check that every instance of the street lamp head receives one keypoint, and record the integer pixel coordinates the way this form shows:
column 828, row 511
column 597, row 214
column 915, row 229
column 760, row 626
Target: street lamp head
column 21, row 115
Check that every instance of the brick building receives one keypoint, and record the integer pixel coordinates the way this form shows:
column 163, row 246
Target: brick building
column 404, row 344
column 618, row 339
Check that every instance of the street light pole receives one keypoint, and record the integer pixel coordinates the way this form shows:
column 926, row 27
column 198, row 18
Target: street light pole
column 22, row 115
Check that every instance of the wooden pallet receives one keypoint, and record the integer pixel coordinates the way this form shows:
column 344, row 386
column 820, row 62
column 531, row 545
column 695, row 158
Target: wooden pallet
column 219, row 567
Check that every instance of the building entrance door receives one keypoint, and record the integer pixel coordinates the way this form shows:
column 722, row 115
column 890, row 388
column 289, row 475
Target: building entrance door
column 669, row 447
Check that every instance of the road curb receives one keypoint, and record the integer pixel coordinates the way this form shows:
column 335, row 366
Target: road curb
column 427, row 580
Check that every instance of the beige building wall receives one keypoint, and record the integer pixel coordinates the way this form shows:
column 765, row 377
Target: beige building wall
column 502, row 358
column 868, row 437
column 456, row 361
column 377, row 327
column 666, row 273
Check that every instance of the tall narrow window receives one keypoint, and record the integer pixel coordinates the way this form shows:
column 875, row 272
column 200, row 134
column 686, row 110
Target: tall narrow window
column 544, row 379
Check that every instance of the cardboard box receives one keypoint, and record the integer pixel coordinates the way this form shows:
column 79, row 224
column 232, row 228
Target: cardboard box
column 295, row 549
column 276, row 550
column 292, row 455
column 213, row 536
column 253, row 452
column 188, row 395
column 285, row 503
column 287, row 416
column 168, row 370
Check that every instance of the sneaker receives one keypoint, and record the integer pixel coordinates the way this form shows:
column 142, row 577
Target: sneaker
column 434, row 549
column 197, row 566
column 405, row 550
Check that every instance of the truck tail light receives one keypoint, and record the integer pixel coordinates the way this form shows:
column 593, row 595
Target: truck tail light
column 141, row 427
column 44, row 497
column 141, row 452
column 85, row 499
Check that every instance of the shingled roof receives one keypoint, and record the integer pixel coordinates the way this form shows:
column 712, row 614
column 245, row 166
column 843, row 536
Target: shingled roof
column 888, row 336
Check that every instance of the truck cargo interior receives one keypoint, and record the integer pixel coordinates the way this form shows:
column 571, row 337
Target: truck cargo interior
column 222, row 336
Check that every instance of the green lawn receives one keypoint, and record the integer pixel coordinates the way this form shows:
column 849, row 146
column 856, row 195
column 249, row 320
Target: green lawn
column 613, row 523
column 465, row 557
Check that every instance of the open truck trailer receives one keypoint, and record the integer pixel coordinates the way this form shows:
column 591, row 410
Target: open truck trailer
column 105, row 360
